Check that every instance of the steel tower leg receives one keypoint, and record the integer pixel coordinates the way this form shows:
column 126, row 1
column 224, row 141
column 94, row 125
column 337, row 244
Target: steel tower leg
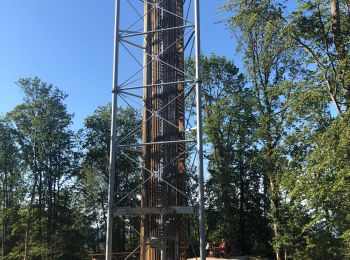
column 113, row 146
column 199, row 130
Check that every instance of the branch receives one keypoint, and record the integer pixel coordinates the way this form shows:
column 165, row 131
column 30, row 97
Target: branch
column 334, row 98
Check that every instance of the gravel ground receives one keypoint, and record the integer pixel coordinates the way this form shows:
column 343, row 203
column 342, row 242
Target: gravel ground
column 237, row 258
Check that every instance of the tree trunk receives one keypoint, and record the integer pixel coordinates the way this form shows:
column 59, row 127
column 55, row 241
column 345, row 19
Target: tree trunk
column 32, row 196
column 5, row 206
column 50, row 220
column 273, row 194
column 4, row 219
column 274, row 209
column 285, row 254
column 338, row 40
column 29, row 219
column 336, row 30
column 241, row 205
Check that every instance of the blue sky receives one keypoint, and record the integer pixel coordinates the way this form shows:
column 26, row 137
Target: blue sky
column 70, row 44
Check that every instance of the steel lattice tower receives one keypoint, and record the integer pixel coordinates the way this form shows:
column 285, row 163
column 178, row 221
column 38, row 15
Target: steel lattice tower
column 164, row 207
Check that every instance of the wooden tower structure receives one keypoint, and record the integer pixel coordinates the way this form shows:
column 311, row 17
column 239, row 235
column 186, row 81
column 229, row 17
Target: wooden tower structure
column 164, row 236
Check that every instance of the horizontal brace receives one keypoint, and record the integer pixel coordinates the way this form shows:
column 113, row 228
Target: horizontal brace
column 157, row 242
column 157, row 143
column 159, row 84
column 131, row 94
column 157, row 6
column 127, row 192
column 114, row 254
column 133, row 44
column 126, row 31
column 160, row 237
column 155, row 31
column 132, row 150
column 171, row 210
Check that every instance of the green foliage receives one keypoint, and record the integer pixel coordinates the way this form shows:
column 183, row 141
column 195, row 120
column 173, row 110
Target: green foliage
column 11, row 189
column 47, row 161
column 233, row 185
column 326, row 183
column 312, row 46
column 321, row 30
column 292, row 107
column 95, row 171
column 53, row 188
column 272, row 72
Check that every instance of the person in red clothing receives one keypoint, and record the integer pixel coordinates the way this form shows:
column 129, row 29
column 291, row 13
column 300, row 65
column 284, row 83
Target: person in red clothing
column 224, row 248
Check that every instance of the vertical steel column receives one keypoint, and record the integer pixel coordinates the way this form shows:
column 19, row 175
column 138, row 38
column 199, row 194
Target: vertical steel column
column 199, row 131
column 113, row 146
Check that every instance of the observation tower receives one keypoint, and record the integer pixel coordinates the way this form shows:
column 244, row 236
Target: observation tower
column 169, row 149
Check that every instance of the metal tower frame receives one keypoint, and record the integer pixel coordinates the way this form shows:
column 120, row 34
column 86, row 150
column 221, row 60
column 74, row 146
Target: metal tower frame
column 127, row 95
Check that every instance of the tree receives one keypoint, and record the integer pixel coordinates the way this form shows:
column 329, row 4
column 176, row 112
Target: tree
column 317, row 34
column 272, row 70
column 11, row 189
column 94, row 179
column 326, row 191
column 47, row 158
column 233, row 188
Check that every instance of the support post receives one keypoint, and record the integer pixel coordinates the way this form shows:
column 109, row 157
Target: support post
column 199, row 131
column 113, row 145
